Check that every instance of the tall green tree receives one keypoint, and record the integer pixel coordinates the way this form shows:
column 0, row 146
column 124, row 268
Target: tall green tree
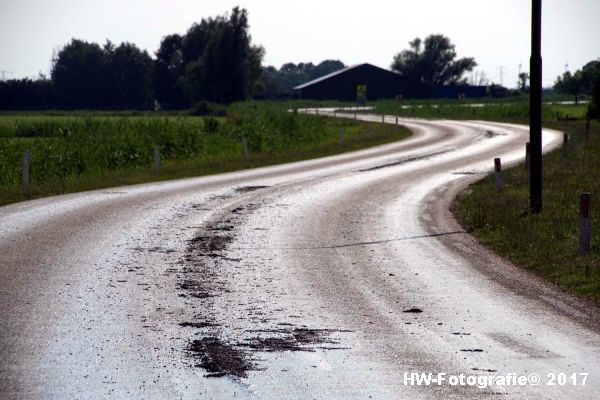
column 571, row 84
column 168, row 70
column 523, row 78
column 220, row 64
column 80, row 75
column 591, row 72
column 130, row 74
column 580, row 82
column 433, row 62
column 86, row 75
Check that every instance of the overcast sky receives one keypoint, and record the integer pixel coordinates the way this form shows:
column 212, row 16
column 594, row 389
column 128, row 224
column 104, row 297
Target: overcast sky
column 495, row 32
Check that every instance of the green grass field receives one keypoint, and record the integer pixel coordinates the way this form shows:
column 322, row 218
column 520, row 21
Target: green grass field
column 80, row 151
column 499, row 110
column 546, row 243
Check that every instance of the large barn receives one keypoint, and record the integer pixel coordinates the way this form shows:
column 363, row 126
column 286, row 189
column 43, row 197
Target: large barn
column 346, row 84
column 349, row 84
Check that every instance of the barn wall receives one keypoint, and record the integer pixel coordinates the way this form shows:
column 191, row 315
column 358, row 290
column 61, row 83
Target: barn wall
column 381, row 84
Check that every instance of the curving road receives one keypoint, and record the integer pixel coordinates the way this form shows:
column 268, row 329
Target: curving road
column 328, row 278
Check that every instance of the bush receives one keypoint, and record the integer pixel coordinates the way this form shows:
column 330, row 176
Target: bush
column 203, row 108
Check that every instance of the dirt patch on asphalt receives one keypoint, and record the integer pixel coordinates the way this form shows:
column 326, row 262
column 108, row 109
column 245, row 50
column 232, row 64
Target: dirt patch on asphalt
column 235, row 359
column 224, row 350
column 220, row 359
column 294, row 339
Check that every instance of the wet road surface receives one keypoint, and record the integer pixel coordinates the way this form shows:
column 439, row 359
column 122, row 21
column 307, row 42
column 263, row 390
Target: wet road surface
column 329, row 278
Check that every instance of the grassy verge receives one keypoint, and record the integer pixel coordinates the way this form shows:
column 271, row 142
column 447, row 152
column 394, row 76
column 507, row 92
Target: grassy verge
column 546, row 243
column 71, row 153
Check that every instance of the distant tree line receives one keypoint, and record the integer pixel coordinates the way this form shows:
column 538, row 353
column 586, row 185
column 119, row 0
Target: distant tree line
column 581, row 82
column 275, row 82
column 213, row 62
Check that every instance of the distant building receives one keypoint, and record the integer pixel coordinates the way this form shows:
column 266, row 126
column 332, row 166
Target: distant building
column 350, row 83
column 345, row 85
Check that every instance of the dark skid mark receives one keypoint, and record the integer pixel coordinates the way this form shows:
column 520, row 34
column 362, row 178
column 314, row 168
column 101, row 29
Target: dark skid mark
column 196, row 289
column 207, row 245
column 404, row 161
column 413, row 310
column 491, row 134
column 220, row 359
column 245, row 189
column 196, row 324
column 339, row 246
column 484, row 370
column 473, row 350
column 464, row 173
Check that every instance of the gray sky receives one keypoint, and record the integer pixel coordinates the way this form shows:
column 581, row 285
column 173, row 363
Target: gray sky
column 494, row 32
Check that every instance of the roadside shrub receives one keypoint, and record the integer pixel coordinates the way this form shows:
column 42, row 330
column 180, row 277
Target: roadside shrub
column 203, row 108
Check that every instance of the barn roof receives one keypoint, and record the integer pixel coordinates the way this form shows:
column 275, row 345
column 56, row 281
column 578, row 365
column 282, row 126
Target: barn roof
column 339, row 72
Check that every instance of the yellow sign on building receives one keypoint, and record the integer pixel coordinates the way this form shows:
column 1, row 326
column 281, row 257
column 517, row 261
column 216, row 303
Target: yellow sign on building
column 361, row 94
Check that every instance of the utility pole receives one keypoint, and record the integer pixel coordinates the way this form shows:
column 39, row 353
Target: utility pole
column 535, row 109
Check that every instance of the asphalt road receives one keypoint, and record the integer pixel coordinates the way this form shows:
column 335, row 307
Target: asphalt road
column 329, row 278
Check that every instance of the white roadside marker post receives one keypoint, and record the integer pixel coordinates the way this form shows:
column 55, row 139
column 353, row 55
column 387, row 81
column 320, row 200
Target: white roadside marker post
column 585, row 229
column 498, row 169
column 25, row 166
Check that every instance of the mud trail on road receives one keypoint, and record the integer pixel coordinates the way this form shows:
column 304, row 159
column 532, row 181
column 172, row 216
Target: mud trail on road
column 220, row 349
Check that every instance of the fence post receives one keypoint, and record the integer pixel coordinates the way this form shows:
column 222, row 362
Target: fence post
column 383, row 119
column 498, row 169
column 355, row 114
column 587, row 128
column 316, row 111
column 565, row 146
column 396, row 120
column 585, row 217
column 26, row 165
column 527, row 156
column 245, row 148
column 156, row 158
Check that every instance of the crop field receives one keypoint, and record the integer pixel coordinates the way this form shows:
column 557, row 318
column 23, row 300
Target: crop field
column 91, row 150
column 505, row 110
